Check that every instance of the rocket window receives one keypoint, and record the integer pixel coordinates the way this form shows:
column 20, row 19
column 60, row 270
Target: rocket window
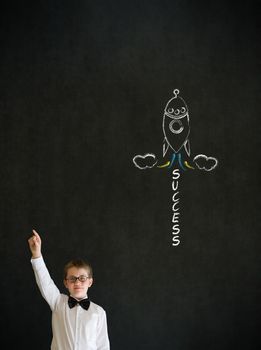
column 176, row 126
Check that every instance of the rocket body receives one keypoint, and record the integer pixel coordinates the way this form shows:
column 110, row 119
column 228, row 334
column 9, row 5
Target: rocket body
column 175, row 125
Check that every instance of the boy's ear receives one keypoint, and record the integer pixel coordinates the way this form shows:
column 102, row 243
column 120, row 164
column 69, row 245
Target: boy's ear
column 65, row 284
column 90, row 282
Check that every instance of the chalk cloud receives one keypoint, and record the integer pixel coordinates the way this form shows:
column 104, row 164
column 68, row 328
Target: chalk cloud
column 145, row 161
column 204, row 162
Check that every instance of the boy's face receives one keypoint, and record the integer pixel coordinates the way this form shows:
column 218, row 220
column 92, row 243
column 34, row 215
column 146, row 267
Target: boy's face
column 77, row 289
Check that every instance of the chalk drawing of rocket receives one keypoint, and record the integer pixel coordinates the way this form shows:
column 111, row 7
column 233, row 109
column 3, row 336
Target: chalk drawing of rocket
column 176, row 130
column 176, row 125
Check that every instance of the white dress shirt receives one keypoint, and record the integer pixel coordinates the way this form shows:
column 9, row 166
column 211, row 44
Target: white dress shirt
column 76, row 328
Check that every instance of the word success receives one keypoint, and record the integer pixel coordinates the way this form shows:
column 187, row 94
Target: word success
column 175, row 208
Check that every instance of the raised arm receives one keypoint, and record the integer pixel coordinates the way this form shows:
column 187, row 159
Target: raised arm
column 44, row 281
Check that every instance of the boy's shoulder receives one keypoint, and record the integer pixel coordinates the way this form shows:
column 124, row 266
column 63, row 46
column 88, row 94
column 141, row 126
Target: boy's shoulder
column 96, row 307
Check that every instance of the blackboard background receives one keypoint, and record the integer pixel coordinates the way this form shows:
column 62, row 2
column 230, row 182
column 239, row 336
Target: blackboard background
column 83, row 88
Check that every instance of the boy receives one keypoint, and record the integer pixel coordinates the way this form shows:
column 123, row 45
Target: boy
column 77, row 323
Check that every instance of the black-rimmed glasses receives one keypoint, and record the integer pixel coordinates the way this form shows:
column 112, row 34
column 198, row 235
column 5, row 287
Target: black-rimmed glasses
column 81, row 278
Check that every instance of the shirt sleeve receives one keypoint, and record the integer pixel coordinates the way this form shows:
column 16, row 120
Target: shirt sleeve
column 102, row 336
column 46, row 285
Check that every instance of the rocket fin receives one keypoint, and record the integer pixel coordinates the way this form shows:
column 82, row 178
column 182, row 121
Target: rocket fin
column 187, row 147
column 165, row 147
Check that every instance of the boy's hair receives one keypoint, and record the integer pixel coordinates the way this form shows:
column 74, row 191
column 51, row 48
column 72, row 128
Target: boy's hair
column 79, row 263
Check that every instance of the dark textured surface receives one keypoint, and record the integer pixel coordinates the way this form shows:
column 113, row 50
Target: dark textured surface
column 83, row 89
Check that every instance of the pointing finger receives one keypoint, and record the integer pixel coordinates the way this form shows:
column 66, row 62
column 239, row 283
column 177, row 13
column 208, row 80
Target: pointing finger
column 36, row 234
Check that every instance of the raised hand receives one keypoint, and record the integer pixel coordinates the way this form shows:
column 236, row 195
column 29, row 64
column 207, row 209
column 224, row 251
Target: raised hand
column 35, row 244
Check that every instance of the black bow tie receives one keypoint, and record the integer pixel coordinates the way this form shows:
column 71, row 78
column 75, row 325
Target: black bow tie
column 85, row 303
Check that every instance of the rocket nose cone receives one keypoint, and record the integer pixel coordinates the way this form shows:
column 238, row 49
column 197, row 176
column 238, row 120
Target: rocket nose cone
column 176, row 108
